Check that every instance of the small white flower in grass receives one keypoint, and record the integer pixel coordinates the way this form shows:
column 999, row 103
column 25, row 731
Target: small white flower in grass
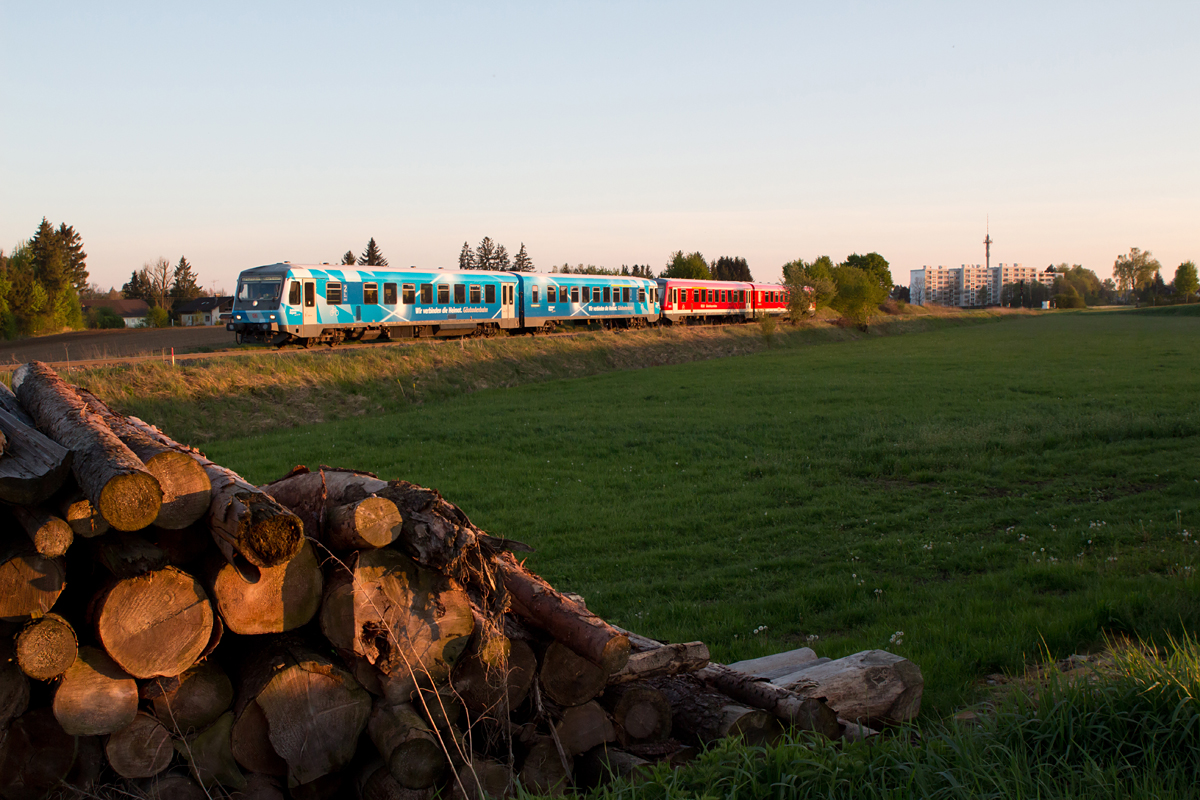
column 897, row 637
column 878, row 593
column 812, row 637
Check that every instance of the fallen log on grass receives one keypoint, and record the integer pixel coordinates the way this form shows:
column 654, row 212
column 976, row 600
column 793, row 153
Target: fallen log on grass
column 701, row 714
column 113, row 478
column 874, row 687
column 806, row 711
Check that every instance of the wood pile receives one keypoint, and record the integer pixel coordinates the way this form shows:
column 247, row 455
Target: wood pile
column 168, row 627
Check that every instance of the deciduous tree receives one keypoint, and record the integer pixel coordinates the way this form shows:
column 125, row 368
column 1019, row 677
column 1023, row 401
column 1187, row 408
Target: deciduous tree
column 875, row 265
column 817, row 275
column 691, row 266
column 372, row 257
column 159, row 277
column 859, row 294
column 1186, row 281
column 1136, row 270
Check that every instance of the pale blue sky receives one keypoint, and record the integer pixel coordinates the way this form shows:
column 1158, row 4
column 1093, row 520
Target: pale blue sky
column 605, row 133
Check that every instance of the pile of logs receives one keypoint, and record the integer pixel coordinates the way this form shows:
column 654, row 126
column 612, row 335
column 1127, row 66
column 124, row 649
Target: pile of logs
column 168, row 627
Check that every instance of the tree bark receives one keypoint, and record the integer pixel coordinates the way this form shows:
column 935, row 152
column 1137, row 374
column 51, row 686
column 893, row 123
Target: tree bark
column 46, row 646
column 95, row 696
column 495, row 679
column 407, row 745
column 701, row 715
column 85, row 521
column 641, row 712
column 362, row 525
column 113, row 478
column 805, row 711
column 283, row 598
column 154, row 624
column 569, row 679
column 128, row 555
column 584, row 727
column 187, row 490
column 669, row 659
column 141, row 749
column 873, row 687
column 210, row 756
column 193, row 701
column 35, row 757
column 29, row 582
column 544, row 771
column 568, row 622
column 315, row 711
column 405, row 620
column 249, row 526
column 10, row 405
column 33, row 466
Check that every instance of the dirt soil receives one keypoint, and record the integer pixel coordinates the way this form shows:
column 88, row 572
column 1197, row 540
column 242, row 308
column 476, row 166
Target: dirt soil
column 121, row 343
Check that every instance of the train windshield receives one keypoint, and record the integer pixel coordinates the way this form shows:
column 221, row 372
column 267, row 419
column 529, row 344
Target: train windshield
column 258, row 293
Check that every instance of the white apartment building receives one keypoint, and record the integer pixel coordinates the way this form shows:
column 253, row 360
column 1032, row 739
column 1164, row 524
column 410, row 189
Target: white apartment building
column 969, row 285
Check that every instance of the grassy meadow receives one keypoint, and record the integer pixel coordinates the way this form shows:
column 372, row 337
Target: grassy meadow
column 997, row 492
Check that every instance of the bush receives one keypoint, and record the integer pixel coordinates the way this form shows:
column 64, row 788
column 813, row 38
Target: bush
column 1069, row 300
column 158, row 318
column 104, row 318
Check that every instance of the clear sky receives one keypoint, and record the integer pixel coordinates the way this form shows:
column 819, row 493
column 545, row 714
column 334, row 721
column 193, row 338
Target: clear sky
column 602, row 133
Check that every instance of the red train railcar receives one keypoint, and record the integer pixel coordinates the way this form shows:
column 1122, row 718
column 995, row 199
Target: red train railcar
column 768, row 299
column 699, row 302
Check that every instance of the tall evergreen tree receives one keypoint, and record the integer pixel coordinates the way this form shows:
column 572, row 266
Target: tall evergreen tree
column 372, row 257
column 466, row 259
column 138, row 287
column 185, row 286
column 76, row 258
column 728, row 268
column 485, row 254
column 522, row 262
column 349, row 259
column 502, row 261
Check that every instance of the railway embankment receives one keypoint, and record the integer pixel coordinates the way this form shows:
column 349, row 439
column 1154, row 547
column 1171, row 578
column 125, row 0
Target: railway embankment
column 229, row 395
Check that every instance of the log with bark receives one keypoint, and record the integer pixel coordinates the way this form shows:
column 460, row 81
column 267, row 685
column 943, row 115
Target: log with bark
column 777, row 665
column 46, row 646
column 12, row 406
column 406, row 743
column 641, row 712
column 340, row 508
column 250, row 527
column 51, row 535
column 186, row 488
column 33, row 466
column 407, row 621
column 583, row 727
column 569, row 679
column 668, row 659
column 128, row 555
column 95, row 696
column 154, row 624
column 78, row 512
column 806, row 711
column 873, row 687
column 701, row 714
column 314, row 710
column 113, row 478
column 141, row 749
column 30, row 583
column 35, row 756
column 283, row 598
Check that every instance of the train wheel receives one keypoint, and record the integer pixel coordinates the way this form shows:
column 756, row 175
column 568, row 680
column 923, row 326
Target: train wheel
column 306, row 342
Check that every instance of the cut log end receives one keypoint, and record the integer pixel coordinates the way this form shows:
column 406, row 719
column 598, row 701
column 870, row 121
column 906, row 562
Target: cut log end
column 270, row 537
column 46, row 647
column 130, row 501
column 187, row 490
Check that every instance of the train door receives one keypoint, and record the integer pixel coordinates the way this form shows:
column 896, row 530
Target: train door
column 310, row 302
column 507, row 296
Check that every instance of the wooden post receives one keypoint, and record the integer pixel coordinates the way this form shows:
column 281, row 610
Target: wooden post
column 113, row 478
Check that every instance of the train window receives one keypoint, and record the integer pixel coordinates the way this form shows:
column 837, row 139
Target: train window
column 443, row 293
column 574, row 294
column 310, row 294
column 333, row 293
column 641, row 295
column 534, row 293
column 427, row 294
column 460, row 293
column 625, row 295
column 587, row 294
column 695, row 295
column 551, row 294
column 408, row 294
column 476, row 293
column 294, row 293
column 607, row 294
column 370, row 294
column 489, row 293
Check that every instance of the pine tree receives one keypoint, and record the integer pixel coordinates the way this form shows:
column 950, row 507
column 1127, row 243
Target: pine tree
column 371, row 257
column 185, row 286
column 76, row 258
column 349, row 259
column 485, row 254
column 522, row 262
column 466, row 259
column 138, row 287
column 502, row 262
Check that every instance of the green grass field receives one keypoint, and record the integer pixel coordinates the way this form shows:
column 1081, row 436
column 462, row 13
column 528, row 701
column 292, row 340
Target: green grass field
column 990, row 490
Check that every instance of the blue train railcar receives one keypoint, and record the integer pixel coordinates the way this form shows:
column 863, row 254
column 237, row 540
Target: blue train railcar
column 309, row 304
column 569, row 300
